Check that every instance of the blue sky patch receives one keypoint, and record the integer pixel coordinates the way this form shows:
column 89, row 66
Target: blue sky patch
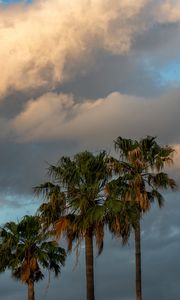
column 14, row 1
column 171, row 73
column 166, row 74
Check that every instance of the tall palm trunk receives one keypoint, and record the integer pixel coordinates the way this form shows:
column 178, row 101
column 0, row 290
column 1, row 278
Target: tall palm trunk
column 138, row 261
column 89, row 264
column 31, row 290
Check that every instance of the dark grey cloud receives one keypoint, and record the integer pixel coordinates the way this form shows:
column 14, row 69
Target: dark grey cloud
column 25, row 165
column 159, row 42
column 14, row 102
column 127, row 74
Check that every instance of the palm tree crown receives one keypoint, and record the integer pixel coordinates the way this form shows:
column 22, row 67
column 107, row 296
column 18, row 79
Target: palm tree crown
column 26, row 250
column 140, row 168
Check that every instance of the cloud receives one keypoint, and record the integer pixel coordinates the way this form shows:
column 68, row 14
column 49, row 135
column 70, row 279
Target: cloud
column 94, row 124
column 55, row 124
column 39, row 40
column 169, row 11
column 177, row 149
column 97, row 122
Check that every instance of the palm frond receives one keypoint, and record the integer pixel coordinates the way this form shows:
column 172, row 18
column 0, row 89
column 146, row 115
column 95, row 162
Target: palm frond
column 25, row 248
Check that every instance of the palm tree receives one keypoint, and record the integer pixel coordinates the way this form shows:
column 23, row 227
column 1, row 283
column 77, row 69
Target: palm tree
column 25, row 249
column 140, row 178
column 82, row 180
column 122, row 216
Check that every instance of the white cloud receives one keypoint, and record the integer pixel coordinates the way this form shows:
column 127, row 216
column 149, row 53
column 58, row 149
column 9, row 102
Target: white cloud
column 97, row 122
column 38, row 41
column 169, row 11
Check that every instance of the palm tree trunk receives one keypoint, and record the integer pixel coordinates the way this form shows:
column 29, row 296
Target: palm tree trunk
column 89, row 264
column 138, row 261
column 31, row 290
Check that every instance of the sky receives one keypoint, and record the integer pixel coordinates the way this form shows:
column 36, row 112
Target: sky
column 74, row 76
